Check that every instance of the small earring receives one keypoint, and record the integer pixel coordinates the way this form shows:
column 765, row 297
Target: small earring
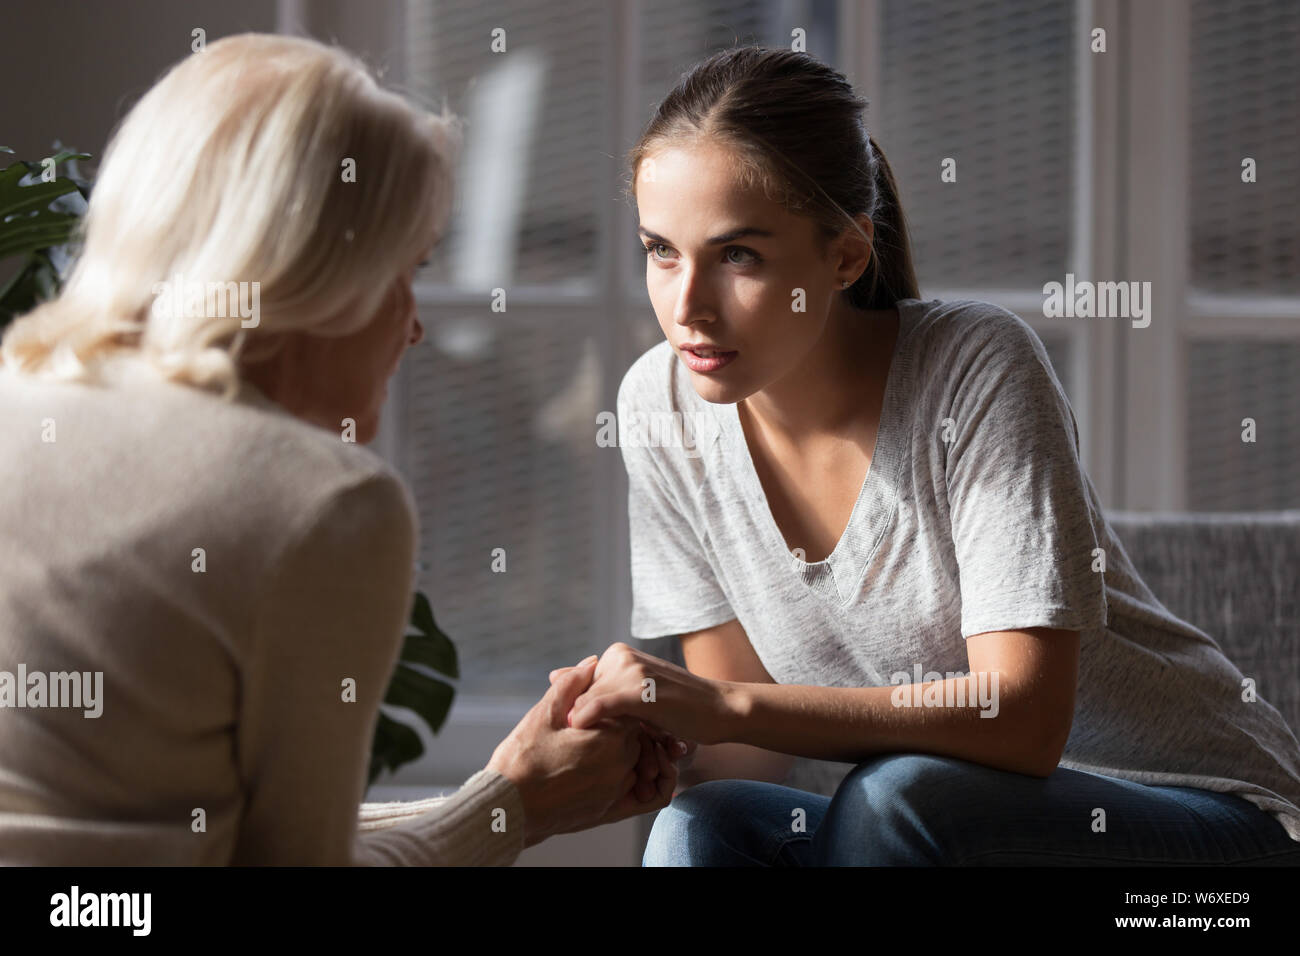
column 846, row 283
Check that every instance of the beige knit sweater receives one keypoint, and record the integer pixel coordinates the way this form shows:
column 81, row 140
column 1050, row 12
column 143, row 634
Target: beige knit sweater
column 220, row 576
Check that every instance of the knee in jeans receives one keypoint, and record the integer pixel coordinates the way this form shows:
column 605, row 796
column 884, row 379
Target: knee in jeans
column 891, row 809
column 696, row 815
column 909, row 777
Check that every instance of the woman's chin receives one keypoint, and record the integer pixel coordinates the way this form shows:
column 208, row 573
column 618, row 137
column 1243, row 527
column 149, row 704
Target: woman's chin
column 715, row 393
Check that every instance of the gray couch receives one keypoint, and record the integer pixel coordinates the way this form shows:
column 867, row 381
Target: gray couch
column 1234, row 576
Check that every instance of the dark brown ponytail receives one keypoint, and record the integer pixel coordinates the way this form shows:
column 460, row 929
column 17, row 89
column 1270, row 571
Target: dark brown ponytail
column 797, row 126
column 891, row 275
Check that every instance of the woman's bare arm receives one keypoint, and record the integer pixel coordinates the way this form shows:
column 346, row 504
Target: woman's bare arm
column 724, row 653
column 1025, row 680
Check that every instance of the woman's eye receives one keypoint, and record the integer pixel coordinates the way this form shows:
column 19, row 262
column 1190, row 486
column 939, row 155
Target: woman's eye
column 749, row 257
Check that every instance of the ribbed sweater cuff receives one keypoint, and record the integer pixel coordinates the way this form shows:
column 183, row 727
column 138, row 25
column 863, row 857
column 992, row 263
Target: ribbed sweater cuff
column 466, row 828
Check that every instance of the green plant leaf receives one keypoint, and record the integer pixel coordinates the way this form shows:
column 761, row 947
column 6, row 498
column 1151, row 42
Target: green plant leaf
column 61, row 156
column 21, row 282
column 437, row 653
column 395, row 744
column 15, row 198
column 429, row 697
column 422, row 615
column 36, row 282
column 38, row 231
column 429, row 646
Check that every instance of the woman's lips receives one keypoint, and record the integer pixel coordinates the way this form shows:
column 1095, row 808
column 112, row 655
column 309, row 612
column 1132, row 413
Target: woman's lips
column 710, row 363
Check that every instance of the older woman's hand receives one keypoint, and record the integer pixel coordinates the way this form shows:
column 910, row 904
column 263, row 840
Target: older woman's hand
column 571, row 779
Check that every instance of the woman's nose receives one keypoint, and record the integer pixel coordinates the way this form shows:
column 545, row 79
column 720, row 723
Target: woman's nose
column 691, row 298
column 417, row 335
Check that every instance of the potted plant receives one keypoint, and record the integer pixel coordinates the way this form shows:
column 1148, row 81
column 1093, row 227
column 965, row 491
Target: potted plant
column 39, row 213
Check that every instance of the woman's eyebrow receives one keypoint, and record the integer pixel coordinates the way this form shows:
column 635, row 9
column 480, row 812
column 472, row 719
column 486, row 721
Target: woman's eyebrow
column 731, row 236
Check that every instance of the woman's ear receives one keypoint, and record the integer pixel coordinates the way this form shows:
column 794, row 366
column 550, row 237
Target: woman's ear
column 848, row 252
column 852, row 249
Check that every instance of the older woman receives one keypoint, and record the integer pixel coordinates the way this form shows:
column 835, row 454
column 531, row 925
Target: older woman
column 191, row 526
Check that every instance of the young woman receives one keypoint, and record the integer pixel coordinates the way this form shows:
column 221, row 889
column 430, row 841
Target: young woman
column 882, row 494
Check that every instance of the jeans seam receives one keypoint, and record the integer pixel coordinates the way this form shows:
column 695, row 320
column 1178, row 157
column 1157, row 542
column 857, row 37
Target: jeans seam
column 786, row 841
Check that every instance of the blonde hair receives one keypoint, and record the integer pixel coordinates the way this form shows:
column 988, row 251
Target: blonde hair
column 231, row 169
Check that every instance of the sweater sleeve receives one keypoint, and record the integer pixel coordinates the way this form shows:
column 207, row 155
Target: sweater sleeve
column 468, row 828
column 326, row 635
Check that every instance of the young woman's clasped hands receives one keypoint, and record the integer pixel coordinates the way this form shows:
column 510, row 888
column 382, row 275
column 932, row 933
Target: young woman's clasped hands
column 670, row 701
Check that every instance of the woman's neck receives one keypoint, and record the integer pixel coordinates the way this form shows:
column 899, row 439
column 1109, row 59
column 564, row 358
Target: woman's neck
column 838, row 385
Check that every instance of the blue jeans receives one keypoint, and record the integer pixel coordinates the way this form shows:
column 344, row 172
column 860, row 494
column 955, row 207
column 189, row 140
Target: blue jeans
column 925, row 810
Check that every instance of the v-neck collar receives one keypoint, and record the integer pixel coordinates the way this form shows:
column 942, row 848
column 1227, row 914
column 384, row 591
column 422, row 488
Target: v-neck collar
column 836, row 576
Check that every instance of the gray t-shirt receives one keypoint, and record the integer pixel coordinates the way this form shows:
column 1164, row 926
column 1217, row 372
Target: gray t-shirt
column 976, row 515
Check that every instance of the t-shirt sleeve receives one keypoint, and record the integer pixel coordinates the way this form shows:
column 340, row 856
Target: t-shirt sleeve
column 674, row 587
column 1023, row 525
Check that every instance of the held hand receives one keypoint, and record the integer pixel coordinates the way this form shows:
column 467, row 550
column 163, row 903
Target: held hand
column 644, row 791
column 662, row 755
column 643, row 796
column 568, row 779
column 629, row 683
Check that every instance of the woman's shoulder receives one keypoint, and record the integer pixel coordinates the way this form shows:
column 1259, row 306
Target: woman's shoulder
column 306, row 466
column 165, row 444
column 971, row 321
column 960, row 337
column 302, row 489
column 261, row 438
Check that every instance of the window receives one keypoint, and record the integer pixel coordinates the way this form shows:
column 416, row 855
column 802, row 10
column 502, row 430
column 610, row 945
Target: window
column 1242, row 347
